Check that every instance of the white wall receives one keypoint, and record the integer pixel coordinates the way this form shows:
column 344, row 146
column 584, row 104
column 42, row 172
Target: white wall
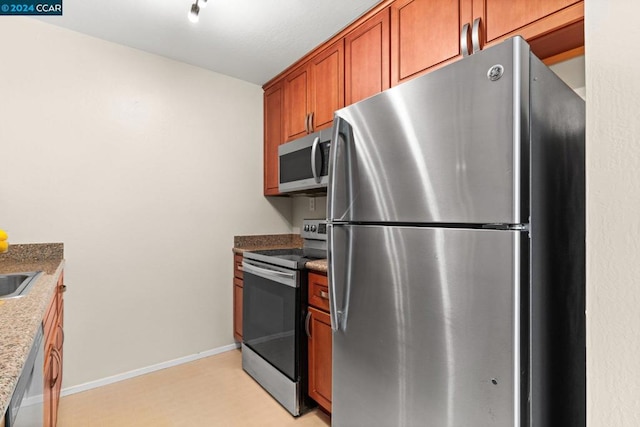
column 302, row 210
column 613, row 212
column 145, row 168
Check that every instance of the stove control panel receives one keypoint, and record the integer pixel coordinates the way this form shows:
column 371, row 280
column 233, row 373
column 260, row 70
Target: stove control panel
column 314, row 229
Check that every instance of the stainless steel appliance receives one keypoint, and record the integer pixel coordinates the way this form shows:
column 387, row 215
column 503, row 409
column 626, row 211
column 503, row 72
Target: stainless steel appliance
column 456, row 249
column 304, row 163
column 30, row 387
column 274, row 347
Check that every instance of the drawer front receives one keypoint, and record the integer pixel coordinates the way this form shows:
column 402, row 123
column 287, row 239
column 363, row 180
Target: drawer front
column 318, row 291
column 237, row 266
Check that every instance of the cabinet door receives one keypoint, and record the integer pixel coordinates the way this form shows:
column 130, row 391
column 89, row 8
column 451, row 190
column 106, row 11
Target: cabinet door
column 504, row 16
column 366, row 65
column 320, row 347
column 425, row 33
column 237, row 309
column 47, row 389
column 327, row 86
column 296, row 103
column 273, row 136
column 550, row 26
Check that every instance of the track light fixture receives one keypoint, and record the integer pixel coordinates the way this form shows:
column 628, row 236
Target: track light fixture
column 194, row 13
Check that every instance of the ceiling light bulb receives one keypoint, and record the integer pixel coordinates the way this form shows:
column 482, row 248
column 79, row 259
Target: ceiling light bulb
column 194, row 12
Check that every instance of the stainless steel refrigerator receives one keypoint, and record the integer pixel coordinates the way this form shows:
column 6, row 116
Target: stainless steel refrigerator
column 456, row 249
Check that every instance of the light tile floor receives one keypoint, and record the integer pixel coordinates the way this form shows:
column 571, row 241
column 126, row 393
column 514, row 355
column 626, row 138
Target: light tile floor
column 213, row 391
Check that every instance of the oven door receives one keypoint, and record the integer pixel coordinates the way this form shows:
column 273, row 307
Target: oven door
column 270, row 321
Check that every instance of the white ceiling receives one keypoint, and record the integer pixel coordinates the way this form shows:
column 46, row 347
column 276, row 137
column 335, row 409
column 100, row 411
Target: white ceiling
column 252, row 40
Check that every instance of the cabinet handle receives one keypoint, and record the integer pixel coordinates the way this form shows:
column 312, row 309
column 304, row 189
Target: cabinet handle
column 306, row 123
column 306, row 324
column 475, row 36
column 464, row 40
column 324, row 294
column 311, row 122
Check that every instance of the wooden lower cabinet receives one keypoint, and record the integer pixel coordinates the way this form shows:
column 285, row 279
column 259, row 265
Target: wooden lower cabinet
column 54, row 341
column 237, row 309
column 319, row 336
column 320, row 348
column 237, row 297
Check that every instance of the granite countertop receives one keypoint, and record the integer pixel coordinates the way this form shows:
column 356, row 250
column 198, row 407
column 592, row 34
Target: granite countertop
column 275, row 241
column 21, row 317
column 266, row 241
column 319, row 265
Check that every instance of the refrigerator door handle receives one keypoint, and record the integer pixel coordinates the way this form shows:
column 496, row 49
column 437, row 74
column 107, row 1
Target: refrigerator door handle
column 333, row 155
column 333, row 307
column 338, row 274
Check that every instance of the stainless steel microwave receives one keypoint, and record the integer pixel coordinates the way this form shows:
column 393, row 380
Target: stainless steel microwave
column 304, row 163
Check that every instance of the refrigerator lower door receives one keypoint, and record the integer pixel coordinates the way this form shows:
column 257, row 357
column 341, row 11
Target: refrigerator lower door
column 428, row 329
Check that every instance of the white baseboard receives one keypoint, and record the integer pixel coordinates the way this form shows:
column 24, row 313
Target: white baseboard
column 137, row 372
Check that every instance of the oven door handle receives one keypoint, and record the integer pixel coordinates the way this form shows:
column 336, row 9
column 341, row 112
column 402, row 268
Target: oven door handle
column 267, row 273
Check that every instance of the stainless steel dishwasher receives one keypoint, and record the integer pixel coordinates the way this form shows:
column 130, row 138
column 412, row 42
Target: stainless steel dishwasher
column 29, row 412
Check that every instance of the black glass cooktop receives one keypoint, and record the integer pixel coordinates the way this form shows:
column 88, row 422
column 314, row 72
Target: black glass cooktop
column 293, row 258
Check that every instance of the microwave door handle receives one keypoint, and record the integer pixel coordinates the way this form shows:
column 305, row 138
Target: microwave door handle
column 314, row 150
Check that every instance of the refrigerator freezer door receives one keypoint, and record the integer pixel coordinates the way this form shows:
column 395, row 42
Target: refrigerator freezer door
column 429, row 332
column 447, row 147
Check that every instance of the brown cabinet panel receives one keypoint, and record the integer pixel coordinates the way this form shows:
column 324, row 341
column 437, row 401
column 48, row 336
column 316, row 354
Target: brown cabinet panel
column 313, row 92
column 320, row 349
column 237, row 266
column 424, row 33
column 237, row 297
column 296, row 103
column 237, row 309
column 273, row 136
column 327, row 86
column 551, row 27
column 505, row 16
column 318, row 291
column 367, row 58
column 54, row 342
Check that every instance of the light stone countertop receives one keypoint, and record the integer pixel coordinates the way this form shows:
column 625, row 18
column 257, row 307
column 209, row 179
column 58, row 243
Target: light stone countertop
column 21, row 317
column 319, row 265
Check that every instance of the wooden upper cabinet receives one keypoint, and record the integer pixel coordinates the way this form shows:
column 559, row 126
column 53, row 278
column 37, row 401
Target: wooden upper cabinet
column 366, row 53
column 296, row 103
column 550, row 26
column 273, row 135
column 425, row 33
column 313, row 91
column 327, row 86
column 505, row 16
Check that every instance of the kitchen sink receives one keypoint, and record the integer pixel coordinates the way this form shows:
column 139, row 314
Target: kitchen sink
column 17, row 284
